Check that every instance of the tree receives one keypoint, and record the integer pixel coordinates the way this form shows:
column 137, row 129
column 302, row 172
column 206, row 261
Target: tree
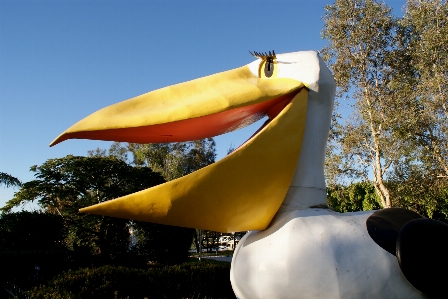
column 9, row 180
column 418, row 112
column 64, row 185
column 360, row 196
column 31, row 231
column 420, row 78
column 334, row 158
column 117, row 150
column 171, row 160
column 415, row 186
column 174, row 160
column 396, row 72
column 172, row 242
column 361, row 36
column 425, row 121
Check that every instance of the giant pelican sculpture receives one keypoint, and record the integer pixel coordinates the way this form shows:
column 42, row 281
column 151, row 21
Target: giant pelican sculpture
column 273, row 185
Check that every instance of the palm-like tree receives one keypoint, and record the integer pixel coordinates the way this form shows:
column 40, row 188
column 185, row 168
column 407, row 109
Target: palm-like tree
column 9, row 180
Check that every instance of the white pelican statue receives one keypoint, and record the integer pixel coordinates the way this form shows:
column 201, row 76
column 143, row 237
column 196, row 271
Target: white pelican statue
column 272, row 186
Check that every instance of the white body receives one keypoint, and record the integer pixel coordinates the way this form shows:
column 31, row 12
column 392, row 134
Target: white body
column 316, row 253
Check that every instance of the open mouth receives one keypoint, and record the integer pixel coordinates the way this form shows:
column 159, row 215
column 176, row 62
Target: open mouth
column 197, row 128
column 242, row 191
column 188, row 129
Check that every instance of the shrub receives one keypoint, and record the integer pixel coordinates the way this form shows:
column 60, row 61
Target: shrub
column 201, row 280
column 19, row 266
column 359, row 196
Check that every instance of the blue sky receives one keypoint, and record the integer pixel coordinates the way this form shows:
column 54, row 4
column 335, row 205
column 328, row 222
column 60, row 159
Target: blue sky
column 62, row 60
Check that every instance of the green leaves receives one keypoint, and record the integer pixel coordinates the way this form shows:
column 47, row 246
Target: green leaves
column 64, row 185
column 359, row 196
column 360, row 35
column 392, row 74
column 9, row 180
column 174, row 160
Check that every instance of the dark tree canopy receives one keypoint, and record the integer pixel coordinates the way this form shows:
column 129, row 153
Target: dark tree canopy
column 29, row 231
column 64, row 185
column 172, row 242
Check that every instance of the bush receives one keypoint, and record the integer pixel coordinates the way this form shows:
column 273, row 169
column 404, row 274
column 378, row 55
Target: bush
column 19, row 266
column 201, row 280
column 359, row 196
column 163, row 244
column 31, row 231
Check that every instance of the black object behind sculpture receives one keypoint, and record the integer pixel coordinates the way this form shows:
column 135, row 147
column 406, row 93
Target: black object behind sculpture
column 420, row 245
column 422, row 252
column 384, row 225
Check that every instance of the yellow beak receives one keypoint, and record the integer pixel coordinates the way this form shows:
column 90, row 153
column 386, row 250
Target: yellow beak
column 241, row 192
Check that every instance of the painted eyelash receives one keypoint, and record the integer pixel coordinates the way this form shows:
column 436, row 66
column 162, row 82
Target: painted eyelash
column 264, row 56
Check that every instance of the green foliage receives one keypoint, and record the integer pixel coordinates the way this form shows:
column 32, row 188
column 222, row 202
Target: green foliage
column 61, row 238
column 420, row 180
column 116, row 150
column 182, row 281
column 419, row 189
column 428, row 196
column 19, row 266
column 360, row 196
column 9, row 180
column 64, row 185
column 174, row 160
column 361, row 37
column 395, row 72
column 421, row 82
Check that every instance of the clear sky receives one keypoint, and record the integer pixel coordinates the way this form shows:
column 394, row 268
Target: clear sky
column 62, row 60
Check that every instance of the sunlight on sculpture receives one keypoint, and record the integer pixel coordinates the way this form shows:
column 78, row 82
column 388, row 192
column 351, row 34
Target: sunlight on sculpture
column 273, row 185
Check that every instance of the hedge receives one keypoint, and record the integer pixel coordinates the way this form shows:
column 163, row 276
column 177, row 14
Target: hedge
column 18, row 267
column 198, row 280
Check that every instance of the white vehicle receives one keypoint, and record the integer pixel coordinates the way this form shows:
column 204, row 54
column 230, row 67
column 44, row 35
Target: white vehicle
column 224, row 239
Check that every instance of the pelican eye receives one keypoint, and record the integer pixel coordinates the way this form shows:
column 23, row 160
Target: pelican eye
column 268, row 66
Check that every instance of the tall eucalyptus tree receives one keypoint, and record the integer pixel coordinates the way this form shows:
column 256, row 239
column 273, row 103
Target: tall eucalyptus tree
column 421, row 81
column 361, row 37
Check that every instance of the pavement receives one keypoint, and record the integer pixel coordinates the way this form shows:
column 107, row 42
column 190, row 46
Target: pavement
column 219, row 258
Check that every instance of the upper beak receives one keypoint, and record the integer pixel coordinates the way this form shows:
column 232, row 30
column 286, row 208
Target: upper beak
column 193, row 110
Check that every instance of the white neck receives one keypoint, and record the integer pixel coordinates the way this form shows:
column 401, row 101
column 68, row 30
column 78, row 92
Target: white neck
column 308, row 187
